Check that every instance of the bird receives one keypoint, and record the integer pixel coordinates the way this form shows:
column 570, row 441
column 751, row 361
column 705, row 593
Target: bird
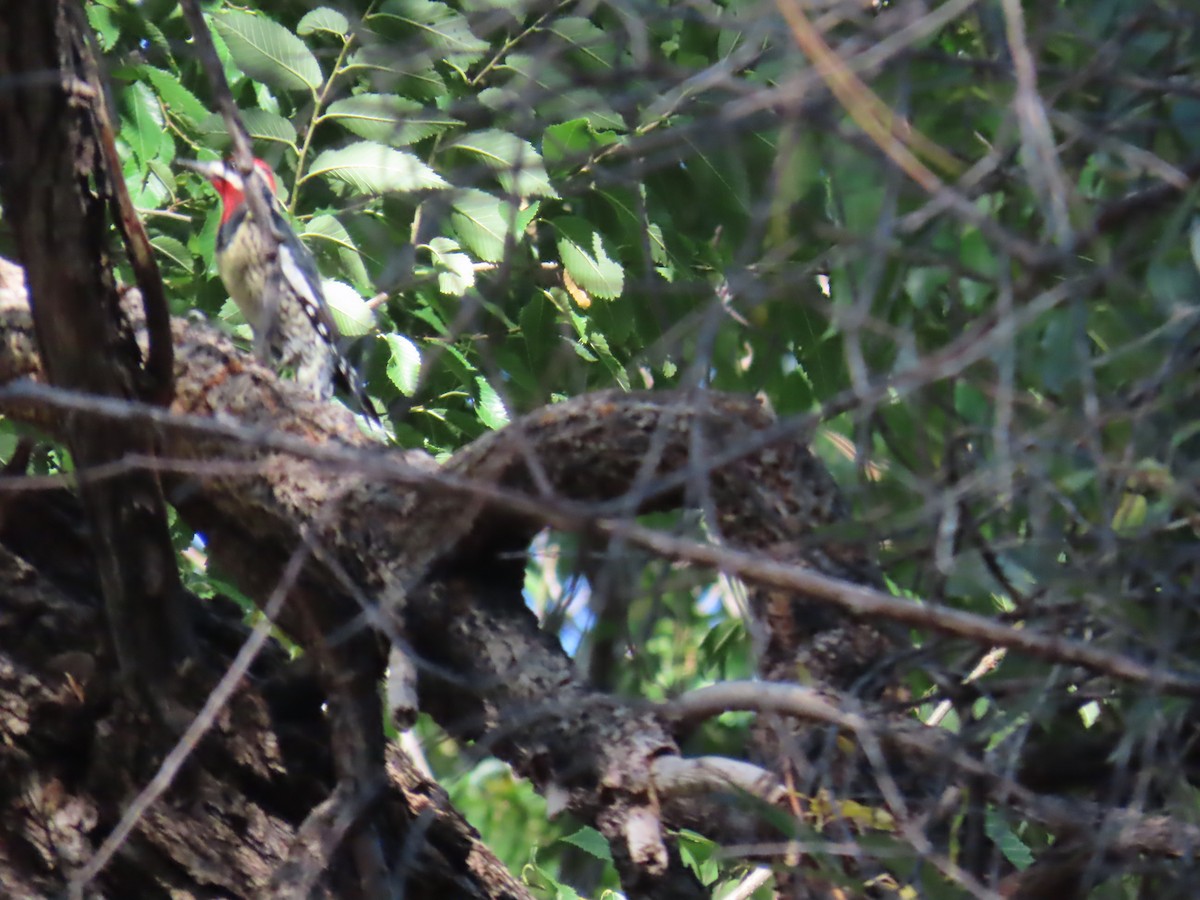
column 272, row 277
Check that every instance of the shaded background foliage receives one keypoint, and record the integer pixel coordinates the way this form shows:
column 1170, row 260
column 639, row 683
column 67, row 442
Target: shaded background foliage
column 524, row 201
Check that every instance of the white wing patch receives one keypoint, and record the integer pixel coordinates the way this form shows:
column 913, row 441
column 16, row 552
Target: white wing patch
column 307, row 294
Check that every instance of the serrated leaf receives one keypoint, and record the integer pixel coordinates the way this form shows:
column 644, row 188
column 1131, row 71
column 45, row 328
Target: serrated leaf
column 490, row 407
column 565, row 103
column 445, row 31
column 142, row 124
column 567, row 140
column 323, row 19
column 146, row 188
column 456, row 271
column 370, row 168
column 266, row 126
column 179, row 101
column 459, row 276
column 155, row 39
column 233, row 74
column 404, row 363
column 584, row 353
column 583, row 255
column 389, row 119
column 599, row 343
column 160, row 169
column 560, row 98
column 593, row 107
column 102, row 23
column 517, row 164
column 571, row 142
column 526, row 215
column 590, row 841
column 1002, row 835
column 264, row 98
column 326, row 232
column 412, row 76
column 594, row 44
column 482, row 222
column 260, row 124
column 172, row 250
column 268, row 52
column 350, row 312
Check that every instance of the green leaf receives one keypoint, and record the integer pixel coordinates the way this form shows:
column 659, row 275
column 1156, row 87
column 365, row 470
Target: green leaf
column 539, row 329
column 596, row 46
column 261, row 125
column 157, row 185
column 433, row 318
column 404, row 365
column 573, row 141
column 443, row 30
column 350, row 311
column 326, row 232
column 1002, row 835
column 233, row 74
column 592, row 106
column 560, row 97
column 457, row 272
column 101, row 20
column 483, row 222
column 156, row 39
column 490, row 407
column 370, row 168
column 412, row 76
column 591, row 841
column 517, row 164
column 599, row 343
column 266, row 126
column 389, row 119
column 142, row 127
column 324, row 19
column 268, row 52
column 584, row 257
column 179, row 101
column 499, row 99
column 172, row 250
